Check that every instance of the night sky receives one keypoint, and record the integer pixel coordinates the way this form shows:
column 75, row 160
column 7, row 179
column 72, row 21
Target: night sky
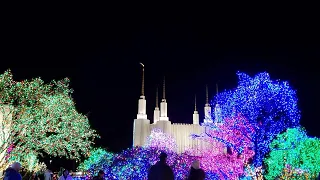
column 100, row 52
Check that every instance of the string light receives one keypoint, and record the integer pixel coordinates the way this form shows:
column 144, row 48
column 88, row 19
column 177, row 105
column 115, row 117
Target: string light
column 135, row 163
column 271, row 106
column 160, row 140
column 232, row 147
column 293, row 154
column 97, row 160
column 41, row 117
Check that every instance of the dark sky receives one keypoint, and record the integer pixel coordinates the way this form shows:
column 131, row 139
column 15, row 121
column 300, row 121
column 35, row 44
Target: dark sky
column 100, row 51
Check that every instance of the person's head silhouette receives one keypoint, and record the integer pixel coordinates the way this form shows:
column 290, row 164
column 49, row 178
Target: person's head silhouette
column 163, row 157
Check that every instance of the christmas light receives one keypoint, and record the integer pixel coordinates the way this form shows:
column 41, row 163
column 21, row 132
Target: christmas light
column 161, row 141
column 231, row 150
column 98, row 159
column 135, row 163
column 29, row 162
column 270, row 106
column 38, row 117
column 293, row 154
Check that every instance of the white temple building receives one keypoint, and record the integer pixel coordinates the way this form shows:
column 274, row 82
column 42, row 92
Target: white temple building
column 181, row 132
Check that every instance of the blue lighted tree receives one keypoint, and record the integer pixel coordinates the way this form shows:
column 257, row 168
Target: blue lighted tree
column 270, row 106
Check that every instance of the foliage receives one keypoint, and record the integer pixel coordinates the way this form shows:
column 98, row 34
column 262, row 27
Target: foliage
column 30, row 162
column 293, row 154
column 270, row 106
column 232, row 147
column 41, row 117
column 98, row 158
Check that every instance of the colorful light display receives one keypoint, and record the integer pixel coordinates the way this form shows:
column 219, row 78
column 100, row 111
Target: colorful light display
column 270, row 106
column 97, row 159
column 293, row 155
column 231, row 150
column 158, row 139
column 39, row 117
column 29, row 162
column 134, row 163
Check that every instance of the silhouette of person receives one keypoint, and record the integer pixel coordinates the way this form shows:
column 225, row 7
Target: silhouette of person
column 196, row 173
column 161, row 170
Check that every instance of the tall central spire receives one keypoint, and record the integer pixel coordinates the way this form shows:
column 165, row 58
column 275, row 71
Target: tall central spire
column 164, row 88
column 142, row 112
column 157, row 98
column 142, row 84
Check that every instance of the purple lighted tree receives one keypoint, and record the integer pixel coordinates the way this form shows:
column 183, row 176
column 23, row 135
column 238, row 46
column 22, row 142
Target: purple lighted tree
column 232, row 147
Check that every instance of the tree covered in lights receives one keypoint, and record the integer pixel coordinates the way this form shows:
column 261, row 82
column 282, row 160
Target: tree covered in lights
column 134, row 163
column 293, row 155
column 231, row 149
column 161, row 140
column 30, row 162
column 40, row 117
column 97, row 160
column 270, row 106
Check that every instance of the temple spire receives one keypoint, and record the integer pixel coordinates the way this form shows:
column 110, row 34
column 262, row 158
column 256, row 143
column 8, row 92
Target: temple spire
column 207, row 108
column 164, row 88
column 217, row 88
column 163, row 104
column 207, row 95
column 157, row 98
column 195, row 102
column 142, row 103
column 156, row 112
column 142, row 84
column 195, row 112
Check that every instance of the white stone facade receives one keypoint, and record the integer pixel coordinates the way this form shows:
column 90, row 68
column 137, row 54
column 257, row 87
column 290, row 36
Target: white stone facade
column 142, row 126
column 179, row 131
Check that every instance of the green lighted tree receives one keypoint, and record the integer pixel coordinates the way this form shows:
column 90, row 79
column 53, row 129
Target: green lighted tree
column 98, row 158
column 293, row 155
column 38, row 117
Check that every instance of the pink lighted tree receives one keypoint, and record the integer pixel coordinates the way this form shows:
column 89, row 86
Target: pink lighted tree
column 161, row 140
column 232, row 147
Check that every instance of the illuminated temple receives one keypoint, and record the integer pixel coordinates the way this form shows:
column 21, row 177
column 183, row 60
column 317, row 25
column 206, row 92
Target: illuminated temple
column 179, row 131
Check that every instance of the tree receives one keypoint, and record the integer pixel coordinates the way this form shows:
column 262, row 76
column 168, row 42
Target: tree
column 160, row 140
column 231, row 150
column 30, row 162
column 98, row 159
column 37, row 117
column 270, row 106
column 293, row 155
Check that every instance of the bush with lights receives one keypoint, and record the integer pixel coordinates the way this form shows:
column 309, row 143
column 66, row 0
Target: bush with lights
column 98, row 159
column 293, row 155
